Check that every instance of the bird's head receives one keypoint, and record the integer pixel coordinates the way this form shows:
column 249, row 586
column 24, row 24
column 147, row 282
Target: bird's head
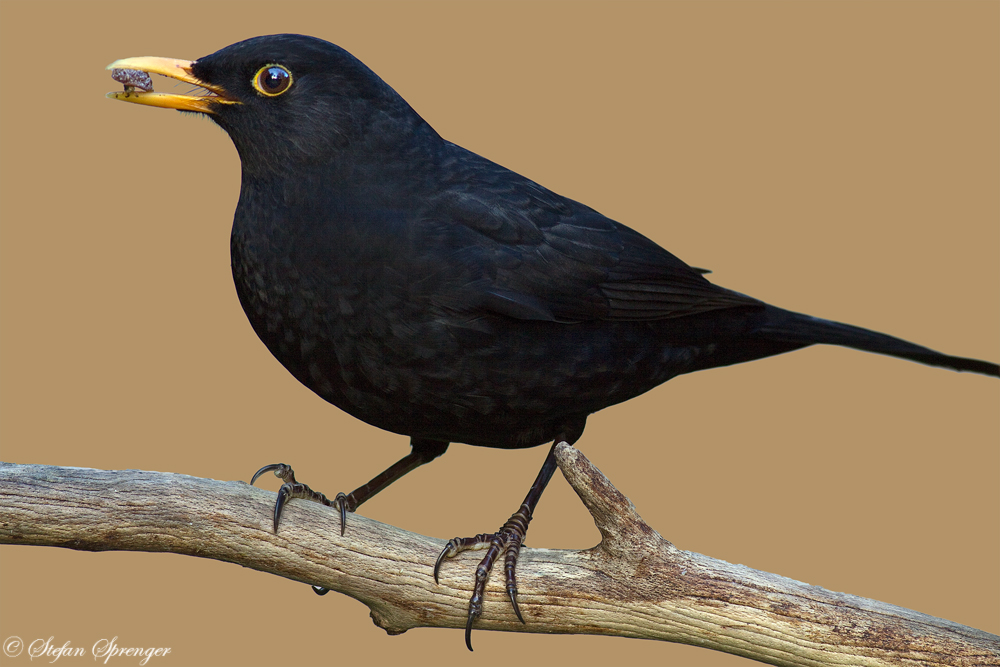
column 284, row 99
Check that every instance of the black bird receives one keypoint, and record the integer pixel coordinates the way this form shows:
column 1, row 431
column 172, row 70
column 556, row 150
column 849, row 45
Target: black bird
column 432, row 293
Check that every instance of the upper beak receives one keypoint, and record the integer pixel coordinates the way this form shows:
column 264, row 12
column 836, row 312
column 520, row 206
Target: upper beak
column 175, row 69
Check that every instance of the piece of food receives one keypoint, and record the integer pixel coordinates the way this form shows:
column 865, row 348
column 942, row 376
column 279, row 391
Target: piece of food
column 132, row 79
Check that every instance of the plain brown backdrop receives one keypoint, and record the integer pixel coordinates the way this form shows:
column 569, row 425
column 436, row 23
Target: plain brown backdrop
column 842, row 159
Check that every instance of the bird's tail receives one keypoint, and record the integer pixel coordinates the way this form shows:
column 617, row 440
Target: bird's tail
column 795, row 329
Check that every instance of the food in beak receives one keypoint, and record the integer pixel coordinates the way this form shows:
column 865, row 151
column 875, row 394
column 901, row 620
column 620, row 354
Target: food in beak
column 132, row 79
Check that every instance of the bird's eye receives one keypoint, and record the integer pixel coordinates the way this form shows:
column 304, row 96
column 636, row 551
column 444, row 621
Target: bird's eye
column 272, row 80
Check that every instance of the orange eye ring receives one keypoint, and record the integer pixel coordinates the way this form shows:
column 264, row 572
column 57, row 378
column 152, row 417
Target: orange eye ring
column 272, row 80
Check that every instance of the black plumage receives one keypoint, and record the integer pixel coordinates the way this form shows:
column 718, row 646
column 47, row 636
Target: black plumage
column 435, row 294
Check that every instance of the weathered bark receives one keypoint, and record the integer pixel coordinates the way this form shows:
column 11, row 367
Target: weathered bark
column 633, row 584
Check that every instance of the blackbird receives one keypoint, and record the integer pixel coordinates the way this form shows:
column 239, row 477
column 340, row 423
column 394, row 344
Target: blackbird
column 432, row 293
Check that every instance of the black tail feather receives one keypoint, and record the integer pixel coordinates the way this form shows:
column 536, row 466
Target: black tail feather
column 783, row 326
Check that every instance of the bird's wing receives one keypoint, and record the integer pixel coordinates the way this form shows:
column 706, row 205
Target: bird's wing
column 529, row 253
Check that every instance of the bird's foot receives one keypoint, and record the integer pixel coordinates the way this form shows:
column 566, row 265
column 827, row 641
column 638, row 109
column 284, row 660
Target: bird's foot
column 508, row 541
column 293, row 489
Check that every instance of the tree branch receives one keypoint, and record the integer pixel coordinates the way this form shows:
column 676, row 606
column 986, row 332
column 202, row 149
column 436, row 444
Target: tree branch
column 633, row 584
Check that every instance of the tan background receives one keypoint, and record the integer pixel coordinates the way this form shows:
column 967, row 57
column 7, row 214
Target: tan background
column 839, row 159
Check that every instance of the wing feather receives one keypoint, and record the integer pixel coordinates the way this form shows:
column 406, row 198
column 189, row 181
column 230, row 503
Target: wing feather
column 533, row 254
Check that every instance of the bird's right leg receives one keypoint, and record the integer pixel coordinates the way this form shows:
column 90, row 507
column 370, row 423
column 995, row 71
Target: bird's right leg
column 506, row 541
column 422, row 451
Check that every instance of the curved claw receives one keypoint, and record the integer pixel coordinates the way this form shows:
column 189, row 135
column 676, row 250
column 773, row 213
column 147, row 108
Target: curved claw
column 437, row 564
column 279, row 505
column 510, row 570
column 447, row 552
column 512, row 594
column 319, row 590
column 468, row 631
column 341, row 501
column 267, row 468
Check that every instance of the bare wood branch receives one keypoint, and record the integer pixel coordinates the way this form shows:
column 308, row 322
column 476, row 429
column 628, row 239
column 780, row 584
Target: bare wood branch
column 633, row 584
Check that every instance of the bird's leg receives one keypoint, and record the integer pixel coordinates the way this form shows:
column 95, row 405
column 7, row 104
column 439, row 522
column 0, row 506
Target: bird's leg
column 507, row 540
column 422, row 451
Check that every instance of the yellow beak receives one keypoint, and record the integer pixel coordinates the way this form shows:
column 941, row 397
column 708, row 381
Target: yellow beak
column 175, row 69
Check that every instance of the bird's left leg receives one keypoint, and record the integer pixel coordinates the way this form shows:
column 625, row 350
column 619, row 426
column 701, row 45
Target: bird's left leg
column 507, row 540
column 422, row 451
